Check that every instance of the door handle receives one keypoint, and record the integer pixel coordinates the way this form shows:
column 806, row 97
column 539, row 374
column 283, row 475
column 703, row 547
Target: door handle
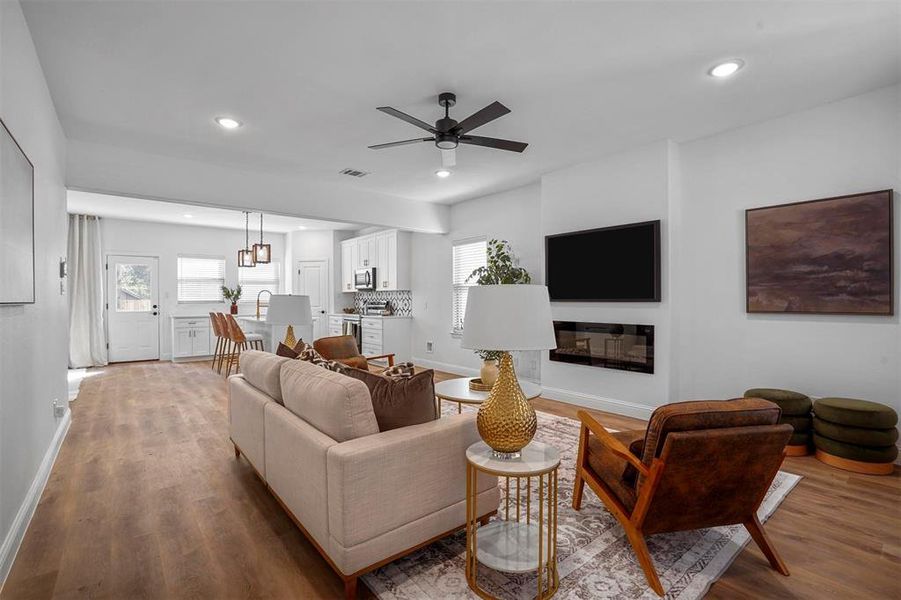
column 155, row 313
column 155, row 306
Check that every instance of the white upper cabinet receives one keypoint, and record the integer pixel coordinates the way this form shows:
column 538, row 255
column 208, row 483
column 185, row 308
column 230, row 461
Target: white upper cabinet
column 387, row 251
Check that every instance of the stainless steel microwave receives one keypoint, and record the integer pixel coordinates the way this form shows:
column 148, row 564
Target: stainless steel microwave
column 364, row 279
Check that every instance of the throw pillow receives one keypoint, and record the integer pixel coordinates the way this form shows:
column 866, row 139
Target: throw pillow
column 400, row 371
column 399, row 402
column 300, row 346
column 286, row 351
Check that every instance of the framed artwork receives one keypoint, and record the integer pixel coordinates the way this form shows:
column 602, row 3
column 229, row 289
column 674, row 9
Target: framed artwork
column 16, row 222
column 829, row 256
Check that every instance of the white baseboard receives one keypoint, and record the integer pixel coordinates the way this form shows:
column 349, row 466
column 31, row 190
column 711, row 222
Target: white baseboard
column 619, row 407
column 19, row 526
column 447, row 368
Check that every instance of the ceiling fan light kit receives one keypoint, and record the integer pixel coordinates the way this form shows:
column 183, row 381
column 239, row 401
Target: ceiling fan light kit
column 448, row 133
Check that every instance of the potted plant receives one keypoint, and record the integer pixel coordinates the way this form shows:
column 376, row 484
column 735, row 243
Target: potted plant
column 501, row 267
column 232, row 295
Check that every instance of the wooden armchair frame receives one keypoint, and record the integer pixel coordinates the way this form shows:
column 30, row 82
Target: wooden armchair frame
column 632, row 521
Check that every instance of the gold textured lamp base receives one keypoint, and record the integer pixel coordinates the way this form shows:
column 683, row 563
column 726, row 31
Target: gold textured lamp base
column 290, row 340
column 506, row 420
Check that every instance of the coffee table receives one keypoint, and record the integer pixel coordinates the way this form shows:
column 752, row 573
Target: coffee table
column 457, row 390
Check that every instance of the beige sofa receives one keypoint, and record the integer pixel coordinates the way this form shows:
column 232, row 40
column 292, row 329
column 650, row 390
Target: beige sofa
column 364, row 498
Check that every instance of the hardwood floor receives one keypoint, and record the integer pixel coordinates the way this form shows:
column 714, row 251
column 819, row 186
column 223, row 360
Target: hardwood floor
column 146, row 500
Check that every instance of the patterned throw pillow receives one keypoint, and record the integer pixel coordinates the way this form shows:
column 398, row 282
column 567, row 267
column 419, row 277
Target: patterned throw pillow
column 403, row 370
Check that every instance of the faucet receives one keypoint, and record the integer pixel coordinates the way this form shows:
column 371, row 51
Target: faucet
column 259, row 304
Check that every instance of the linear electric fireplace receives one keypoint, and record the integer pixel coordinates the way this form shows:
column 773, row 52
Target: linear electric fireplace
column 610, row 345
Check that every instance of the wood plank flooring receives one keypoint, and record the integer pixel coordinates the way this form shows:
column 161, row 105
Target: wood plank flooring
column 146, row 500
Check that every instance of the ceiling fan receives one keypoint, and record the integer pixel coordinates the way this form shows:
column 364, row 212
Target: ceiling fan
column 448, row 133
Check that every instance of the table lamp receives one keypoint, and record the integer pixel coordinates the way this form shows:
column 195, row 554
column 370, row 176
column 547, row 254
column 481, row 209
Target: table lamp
column 504, row 318
column 285, row 309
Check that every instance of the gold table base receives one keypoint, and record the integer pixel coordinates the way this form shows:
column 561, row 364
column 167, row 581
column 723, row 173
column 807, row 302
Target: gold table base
column 520, row 501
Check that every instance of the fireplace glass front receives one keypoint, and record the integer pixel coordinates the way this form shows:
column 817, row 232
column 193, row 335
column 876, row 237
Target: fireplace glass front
column 609, row 345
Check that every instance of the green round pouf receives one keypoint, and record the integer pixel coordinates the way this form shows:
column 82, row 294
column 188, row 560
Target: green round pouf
column 856, row 413
column 878, row 438
column 800, row 424
column 793, row 404
column 799, row 439
column 865, row 454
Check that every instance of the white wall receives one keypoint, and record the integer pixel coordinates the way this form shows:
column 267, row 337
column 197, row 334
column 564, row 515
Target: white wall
column 707, row 346
column 321, row 245
column 626, row 188
column 841, row 148
column 167, row 241
column 512, row 216
column 33, row 337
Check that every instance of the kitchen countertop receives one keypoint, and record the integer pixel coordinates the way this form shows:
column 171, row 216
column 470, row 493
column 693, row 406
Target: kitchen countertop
column 371, row 316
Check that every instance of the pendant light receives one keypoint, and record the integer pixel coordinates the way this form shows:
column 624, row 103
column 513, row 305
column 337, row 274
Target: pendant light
column 262, row 253
column 245, row 256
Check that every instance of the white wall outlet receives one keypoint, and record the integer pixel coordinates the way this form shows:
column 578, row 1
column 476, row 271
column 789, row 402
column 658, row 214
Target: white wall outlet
column 429, row 347
column 59, row 410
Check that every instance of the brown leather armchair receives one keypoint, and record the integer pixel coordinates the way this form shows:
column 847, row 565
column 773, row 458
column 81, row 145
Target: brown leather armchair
column 343, row 349
column 699, row 464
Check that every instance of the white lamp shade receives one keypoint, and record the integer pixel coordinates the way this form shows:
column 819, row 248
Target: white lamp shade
column 508, row 317
column 285, row 309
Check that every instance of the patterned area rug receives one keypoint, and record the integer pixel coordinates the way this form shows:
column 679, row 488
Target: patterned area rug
column 595, row 559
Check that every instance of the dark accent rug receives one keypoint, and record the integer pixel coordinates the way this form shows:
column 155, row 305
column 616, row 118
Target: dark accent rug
column 595, row 559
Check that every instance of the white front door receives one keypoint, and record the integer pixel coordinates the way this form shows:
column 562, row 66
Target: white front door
column 132, row 307
column 312, row 281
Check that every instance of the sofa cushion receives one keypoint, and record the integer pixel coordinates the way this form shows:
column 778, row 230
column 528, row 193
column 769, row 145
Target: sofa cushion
column 612, row 469
column 399, row 402
column 261, row 370
column 337, row 405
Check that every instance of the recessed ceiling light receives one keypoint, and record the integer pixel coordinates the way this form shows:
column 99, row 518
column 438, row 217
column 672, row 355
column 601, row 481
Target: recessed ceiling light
column 189, row 216
column 442, row 173
column 727, row 68
column 228, row 122
column 301, row 226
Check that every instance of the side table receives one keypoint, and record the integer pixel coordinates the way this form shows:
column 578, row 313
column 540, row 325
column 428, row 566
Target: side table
column 518, row 542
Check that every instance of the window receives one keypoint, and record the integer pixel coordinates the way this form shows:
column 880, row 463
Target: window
column 469, row 255
column 133, row 286
column 200, row 279
column 264, row 276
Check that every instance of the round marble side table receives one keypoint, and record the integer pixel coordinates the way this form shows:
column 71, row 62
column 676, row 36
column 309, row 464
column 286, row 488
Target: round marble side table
column 457, row 390
column 517, row 541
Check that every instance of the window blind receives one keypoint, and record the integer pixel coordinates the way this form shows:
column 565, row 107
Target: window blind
column 469, row 255
column 200, row 279
column 264, row 276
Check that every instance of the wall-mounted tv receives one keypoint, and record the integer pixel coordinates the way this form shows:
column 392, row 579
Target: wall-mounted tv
column 611, row 264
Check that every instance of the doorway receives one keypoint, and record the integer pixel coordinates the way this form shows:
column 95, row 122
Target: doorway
column 132, row 307
column 313, row 281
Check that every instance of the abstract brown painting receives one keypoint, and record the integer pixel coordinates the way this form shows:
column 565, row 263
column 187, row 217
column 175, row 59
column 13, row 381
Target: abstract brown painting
column 831, row 256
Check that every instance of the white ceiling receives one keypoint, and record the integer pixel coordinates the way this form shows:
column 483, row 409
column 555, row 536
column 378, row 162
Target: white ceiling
column 138, row 209
column 582, row 79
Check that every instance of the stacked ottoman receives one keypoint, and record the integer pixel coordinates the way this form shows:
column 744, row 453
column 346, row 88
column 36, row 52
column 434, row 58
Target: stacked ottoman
column 855, row 435
column 795, row 411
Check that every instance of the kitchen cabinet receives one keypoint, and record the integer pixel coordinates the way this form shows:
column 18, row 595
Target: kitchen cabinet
column 192, row 338
column 335, row 325
column 347, row 267
column 382, row 335
column 387, row 251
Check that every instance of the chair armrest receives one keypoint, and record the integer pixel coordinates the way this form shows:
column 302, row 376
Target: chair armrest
column 380, row 482
column 390, row 358
column 611, row 443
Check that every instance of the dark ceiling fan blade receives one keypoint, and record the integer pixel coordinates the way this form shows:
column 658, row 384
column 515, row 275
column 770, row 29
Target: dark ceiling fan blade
column 488, row 142
column 487, row 114
column 405, row 117
column 401, row 143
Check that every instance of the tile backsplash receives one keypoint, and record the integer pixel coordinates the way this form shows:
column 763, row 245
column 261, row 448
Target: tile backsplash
column 401, row 301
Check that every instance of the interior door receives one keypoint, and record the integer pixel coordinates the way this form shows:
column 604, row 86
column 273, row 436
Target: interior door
column 132, row 308
column 312, row 278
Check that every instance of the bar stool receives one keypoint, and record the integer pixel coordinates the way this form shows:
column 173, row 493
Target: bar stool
column 239, row 341
column 220, row 339
column 226, row 339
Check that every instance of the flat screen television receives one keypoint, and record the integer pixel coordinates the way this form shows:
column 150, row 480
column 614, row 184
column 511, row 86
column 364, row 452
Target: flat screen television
column 611, row 264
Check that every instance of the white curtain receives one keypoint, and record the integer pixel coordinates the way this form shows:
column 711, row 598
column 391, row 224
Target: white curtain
column 87, row 336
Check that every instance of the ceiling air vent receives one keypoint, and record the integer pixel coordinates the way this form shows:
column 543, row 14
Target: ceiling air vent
column 354, row 172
